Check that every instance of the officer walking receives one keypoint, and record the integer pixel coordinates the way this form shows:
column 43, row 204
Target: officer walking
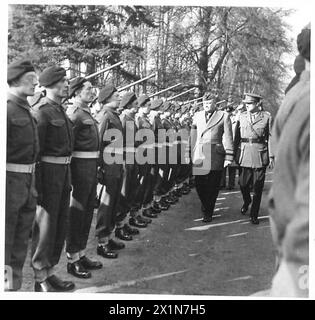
column 253, row 152
column 209, row 154
column 111, row 171
column 22, row 151
column 52, row 180
column 84, row 181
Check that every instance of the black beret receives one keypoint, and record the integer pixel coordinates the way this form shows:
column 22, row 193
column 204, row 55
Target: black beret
column 106, row 92
column 127, row 99
column 143, row 100
column 51, row 75
column 156, row 104
column 18, row 68
column 75, row 85
column 304, row 43
column 208, row 96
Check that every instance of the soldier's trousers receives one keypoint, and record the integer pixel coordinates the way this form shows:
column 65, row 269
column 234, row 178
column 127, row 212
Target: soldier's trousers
column 20, row 208
column 145, row 191
column 84, row 183
column 208, row 187
column 109, row 207
column 50, row 225
column 256, row 178
column 128, row 193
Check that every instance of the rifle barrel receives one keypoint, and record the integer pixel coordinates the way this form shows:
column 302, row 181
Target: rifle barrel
column 164, row 90
column 136, row 82
column 178, row 95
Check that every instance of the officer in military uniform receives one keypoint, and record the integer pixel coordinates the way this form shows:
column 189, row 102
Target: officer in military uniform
column 52, row 181
column 110, row 172
column 209, row 154
column 22, row 151
column 253, row 152
column 84, row 181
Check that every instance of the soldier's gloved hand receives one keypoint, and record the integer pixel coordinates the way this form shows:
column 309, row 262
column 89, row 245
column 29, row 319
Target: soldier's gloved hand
column 227, row 163
column 271, row 163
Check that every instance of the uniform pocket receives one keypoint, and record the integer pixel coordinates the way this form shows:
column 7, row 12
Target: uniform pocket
column 20, row 122
column 88, row 122
column 264, row 156
column 57, row 122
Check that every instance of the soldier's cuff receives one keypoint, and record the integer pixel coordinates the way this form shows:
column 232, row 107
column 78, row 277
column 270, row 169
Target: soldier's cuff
column 229, row 157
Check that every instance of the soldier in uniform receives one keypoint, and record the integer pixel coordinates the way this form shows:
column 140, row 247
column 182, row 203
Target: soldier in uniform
column 22, row 151
column 159, row 165
column 167, row 181
column 146, row 170
column 84, row 181
column 253, row 153
column 52, row 181
column 209, row 154
column 128, row 204
column 110, row 172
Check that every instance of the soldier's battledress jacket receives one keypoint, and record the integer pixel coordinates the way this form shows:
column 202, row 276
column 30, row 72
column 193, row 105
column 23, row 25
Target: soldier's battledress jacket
column 252, row 140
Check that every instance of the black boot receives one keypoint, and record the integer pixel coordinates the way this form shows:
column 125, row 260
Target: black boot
column 148, row 213
column 90, row 264
column 60, row 285
column 121, row 234
column 115, row 245
column 106, row 252
column 133, row 221
column 77, row 270
column 131, row 231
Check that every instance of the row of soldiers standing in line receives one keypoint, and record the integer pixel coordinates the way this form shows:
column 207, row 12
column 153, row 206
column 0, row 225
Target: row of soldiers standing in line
column 50, row 154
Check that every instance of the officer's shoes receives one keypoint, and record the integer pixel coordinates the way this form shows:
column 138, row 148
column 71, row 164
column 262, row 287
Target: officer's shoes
column 207, row 218
column 177, row 193
column 143, row 219
column 169, row 201
column 60, row 285
column 115, row 245
column 121, row 234
column 131, row 231
column 77, row 270
column 106, row 252
column 149, row 214
column 90, row 264
column 43, row 286
column 137, row 223
column 254, row 221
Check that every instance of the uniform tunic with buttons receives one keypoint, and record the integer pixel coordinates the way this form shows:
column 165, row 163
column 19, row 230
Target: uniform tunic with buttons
column 22, row 149
column 53, row 185
column 84, row 180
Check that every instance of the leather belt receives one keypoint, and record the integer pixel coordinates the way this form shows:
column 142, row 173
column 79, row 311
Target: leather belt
column 252, row 140
column 56, row 160
column 86, row 154
column 20, row 168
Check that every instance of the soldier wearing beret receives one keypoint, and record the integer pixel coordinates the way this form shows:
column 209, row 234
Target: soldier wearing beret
column 146, row 170
column 253, row 152
column 52, row 180
column 128, row 203
column 22, row 151
column 209, row 154
column 83, row 177
column 111, row 171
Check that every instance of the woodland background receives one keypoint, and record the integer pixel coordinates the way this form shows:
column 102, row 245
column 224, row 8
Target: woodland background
column 226, row 50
